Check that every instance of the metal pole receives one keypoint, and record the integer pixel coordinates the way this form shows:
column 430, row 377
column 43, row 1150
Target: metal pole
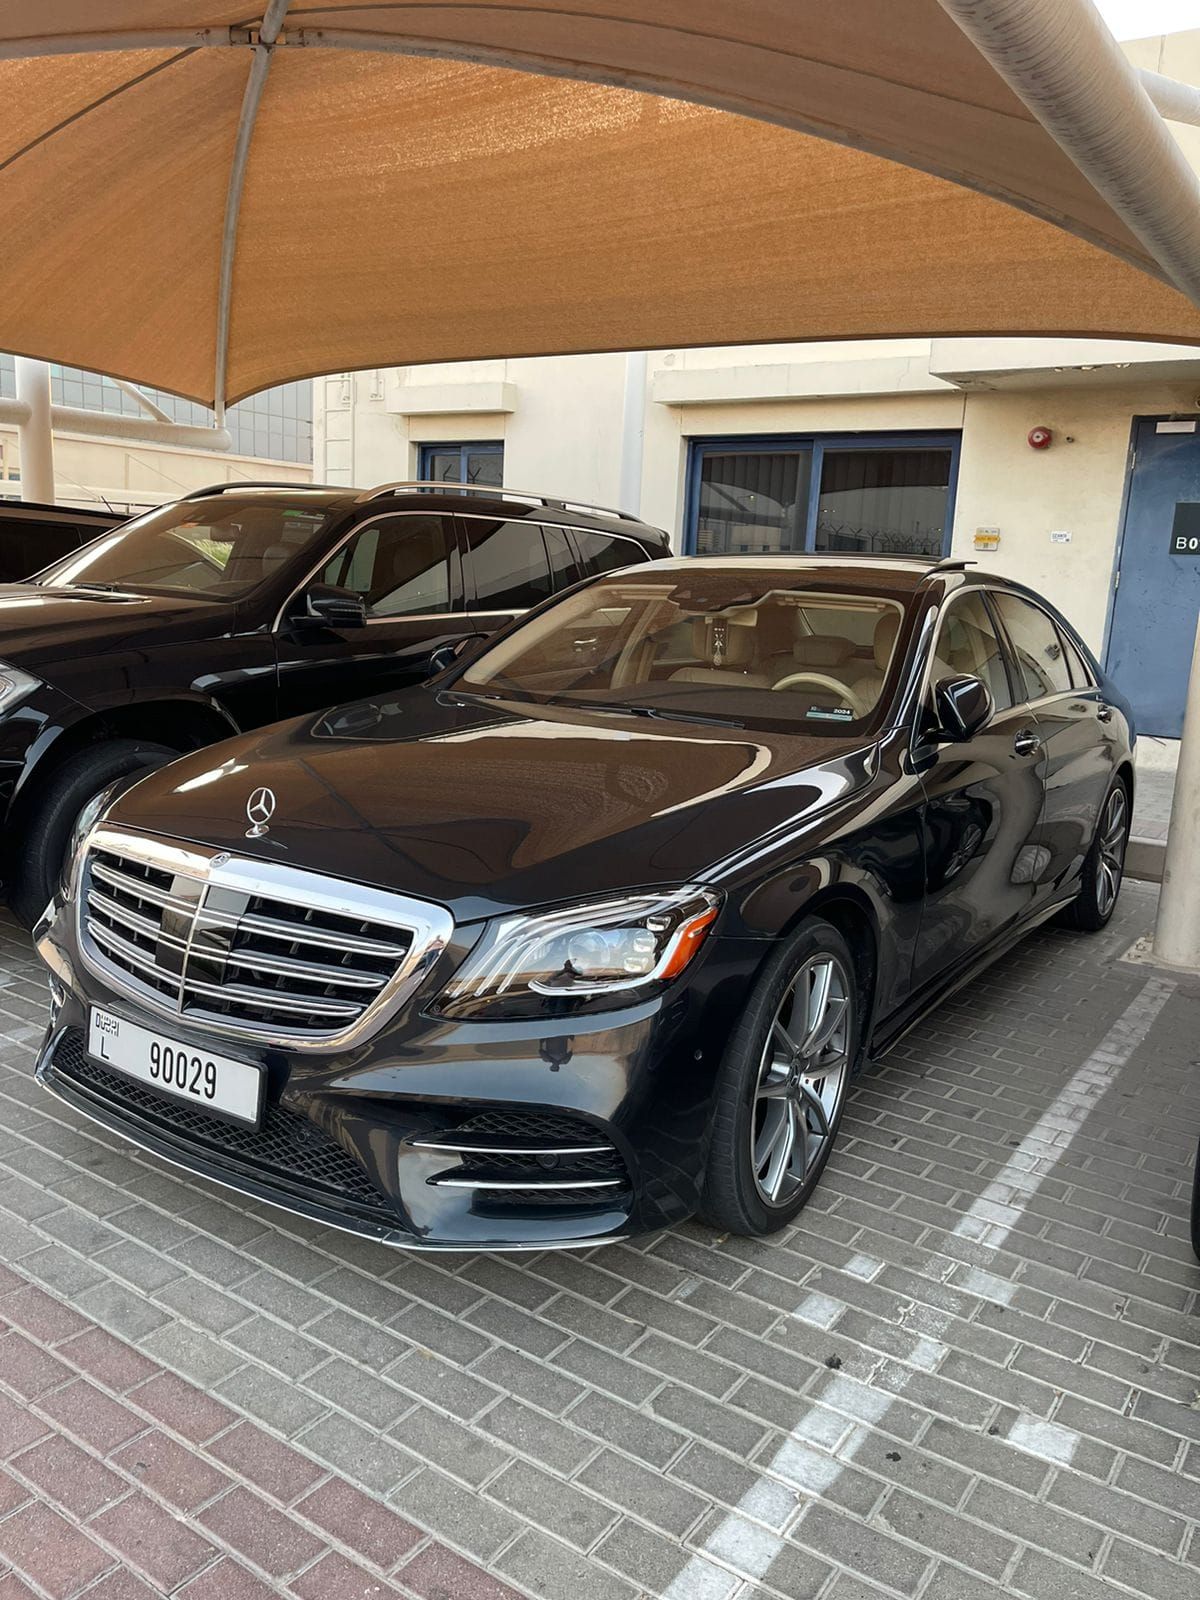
column 1177, row 934
column 633, row 433
column 34, row 432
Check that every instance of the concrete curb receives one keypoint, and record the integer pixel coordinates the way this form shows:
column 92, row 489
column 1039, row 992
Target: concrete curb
column 1144, row 859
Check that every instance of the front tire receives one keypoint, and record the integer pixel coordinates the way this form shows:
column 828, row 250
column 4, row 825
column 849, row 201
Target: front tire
column 40, row 852
column 782, row 1087
column 1104, row 865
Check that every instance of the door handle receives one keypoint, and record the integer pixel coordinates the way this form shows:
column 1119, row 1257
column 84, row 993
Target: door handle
column 1027, row 743
column 1103, row 711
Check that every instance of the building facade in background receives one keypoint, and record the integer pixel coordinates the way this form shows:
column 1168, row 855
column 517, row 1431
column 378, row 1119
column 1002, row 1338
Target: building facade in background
column 272, row 438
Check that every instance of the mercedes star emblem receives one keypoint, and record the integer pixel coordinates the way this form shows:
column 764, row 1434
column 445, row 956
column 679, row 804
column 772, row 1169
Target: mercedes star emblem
column 260, row 808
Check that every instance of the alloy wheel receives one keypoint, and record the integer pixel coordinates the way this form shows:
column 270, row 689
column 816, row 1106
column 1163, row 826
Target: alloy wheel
column 801, row 1078
column 1110, row 860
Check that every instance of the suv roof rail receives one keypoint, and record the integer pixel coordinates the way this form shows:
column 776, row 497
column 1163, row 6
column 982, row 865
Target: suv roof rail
column 491, row 491
column 952, row 564
column 229, row 486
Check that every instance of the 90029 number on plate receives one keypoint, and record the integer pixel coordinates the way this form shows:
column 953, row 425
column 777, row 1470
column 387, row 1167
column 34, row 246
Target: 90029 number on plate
column 177, row 1069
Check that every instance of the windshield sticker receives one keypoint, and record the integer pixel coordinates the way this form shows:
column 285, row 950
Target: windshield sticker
column 831, row 713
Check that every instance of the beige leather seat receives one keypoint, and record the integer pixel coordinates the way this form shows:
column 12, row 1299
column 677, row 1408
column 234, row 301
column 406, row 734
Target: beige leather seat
column 727, row 648
column 869, row 686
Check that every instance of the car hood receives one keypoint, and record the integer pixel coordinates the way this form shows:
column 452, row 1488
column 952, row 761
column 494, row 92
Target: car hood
column 487, row 806
column 41, row 625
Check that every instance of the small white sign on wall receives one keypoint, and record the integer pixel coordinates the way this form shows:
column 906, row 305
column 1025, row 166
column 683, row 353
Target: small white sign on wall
column 1180, row 426
column 1060, row 536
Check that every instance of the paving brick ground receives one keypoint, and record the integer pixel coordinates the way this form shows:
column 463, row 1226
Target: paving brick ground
column 971, row 1369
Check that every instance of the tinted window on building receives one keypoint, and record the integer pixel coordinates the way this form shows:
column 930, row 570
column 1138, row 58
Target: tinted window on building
column 752, row 502
column 601, row 552
column 883, row 502
column 508, row 563
column 276, row 423
column 463, row 463
column 400, row 565
column 1037, row 645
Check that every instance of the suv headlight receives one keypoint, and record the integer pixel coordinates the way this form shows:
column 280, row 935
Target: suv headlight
column 15, row 685
column 626, row 947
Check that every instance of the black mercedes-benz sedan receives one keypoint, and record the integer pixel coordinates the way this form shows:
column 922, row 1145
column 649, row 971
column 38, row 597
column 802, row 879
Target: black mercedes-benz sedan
column 591, row 931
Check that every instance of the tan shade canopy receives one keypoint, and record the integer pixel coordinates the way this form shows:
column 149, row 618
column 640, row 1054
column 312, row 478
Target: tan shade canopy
column 434, row 181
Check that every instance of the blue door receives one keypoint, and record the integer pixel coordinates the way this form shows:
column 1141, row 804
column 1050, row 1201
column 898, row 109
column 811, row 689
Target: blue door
column 1157, row 596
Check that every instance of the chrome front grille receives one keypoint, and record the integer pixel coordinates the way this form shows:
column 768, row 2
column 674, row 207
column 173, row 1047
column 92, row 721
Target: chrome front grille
column 247, row 947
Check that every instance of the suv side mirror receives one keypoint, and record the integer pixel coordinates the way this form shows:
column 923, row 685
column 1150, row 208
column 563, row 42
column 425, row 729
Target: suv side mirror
column 447, row 654
column 337, row 608
column 962, row 704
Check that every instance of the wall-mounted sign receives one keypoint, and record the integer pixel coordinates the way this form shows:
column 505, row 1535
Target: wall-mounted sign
column 1181, row 425
column 1060, row 536
column 1185, row 530
column 987, row 538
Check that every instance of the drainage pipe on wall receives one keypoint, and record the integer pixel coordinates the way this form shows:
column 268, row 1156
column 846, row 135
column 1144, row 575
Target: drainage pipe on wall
column 1063, row 63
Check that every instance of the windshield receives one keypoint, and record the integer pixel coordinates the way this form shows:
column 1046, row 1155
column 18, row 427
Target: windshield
column 719, row 645
column 219, row 548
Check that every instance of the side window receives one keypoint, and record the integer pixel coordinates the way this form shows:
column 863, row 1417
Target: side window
column 1036, row 644
column 967, row 642
column 400, row 565
column 1082, row 676
column 603, row 552
column 508, row 562
column 562, row 558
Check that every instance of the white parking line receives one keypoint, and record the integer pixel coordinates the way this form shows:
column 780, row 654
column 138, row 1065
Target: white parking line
column 990, row 1221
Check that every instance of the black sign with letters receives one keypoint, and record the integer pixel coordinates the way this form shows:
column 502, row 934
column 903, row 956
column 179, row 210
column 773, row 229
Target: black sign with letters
column 1185, row 530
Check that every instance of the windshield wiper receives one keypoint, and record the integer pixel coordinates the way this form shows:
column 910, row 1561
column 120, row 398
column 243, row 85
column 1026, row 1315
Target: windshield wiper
column 620, row 708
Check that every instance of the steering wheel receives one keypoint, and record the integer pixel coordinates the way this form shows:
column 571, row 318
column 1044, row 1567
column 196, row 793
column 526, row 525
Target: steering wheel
column 821, row 680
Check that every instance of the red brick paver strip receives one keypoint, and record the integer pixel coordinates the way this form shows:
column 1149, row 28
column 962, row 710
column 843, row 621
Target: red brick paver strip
column 122, row 1481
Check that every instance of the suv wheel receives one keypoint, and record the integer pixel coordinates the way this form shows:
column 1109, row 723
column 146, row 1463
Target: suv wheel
column 782, row 1086
column 38, row 868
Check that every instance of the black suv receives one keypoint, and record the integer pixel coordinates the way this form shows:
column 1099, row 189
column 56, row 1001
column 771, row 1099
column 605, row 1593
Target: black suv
column 32, row 535
column 244, row 603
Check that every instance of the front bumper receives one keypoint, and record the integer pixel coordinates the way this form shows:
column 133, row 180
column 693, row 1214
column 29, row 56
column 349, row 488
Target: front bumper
column 435, row 1135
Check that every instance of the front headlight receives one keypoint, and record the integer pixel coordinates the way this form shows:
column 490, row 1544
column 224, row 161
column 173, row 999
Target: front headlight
column 627, row 948
column 15, row 685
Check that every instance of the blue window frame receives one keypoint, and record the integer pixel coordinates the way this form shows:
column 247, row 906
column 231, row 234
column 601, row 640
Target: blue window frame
column 477, row 462
column 764, row 494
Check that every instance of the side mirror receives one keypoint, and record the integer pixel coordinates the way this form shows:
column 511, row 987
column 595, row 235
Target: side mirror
column 447, row 654
column 962, row 704
column 336, row 608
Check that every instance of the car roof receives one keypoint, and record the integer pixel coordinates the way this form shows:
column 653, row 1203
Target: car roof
column 463, row 499
column 854, row 571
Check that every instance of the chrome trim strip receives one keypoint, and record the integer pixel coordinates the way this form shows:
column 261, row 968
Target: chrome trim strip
column 525, row 1183
column 513, row 1150
column 306, row 971
column 429, row 926
column 305, row 933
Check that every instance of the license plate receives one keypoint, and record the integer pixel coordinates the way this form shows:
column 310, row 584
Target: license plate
column 214, row 1083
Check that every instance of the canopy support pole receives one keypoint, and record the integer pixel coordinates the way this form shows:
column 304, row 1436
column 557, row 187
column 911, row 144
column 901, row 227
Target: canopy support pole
column 264, row 46
column 35, row 434
column 1177, row 933
column 1059, row 58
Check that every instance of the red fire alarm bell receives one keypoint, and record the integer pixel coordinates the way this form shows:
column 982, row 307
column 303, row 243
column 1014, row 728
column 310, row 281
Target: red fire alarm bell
column 1039, row 438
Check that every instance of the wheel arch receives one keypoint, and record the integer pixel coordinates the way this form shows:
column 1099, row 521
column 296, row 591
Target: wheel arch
column 851, row 912
column 178, row 723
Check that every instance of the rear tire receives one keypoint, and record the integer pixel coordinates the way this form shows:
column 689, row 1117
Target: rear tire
column 40, row 852
column 1104, row 865
column 782, row 1086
